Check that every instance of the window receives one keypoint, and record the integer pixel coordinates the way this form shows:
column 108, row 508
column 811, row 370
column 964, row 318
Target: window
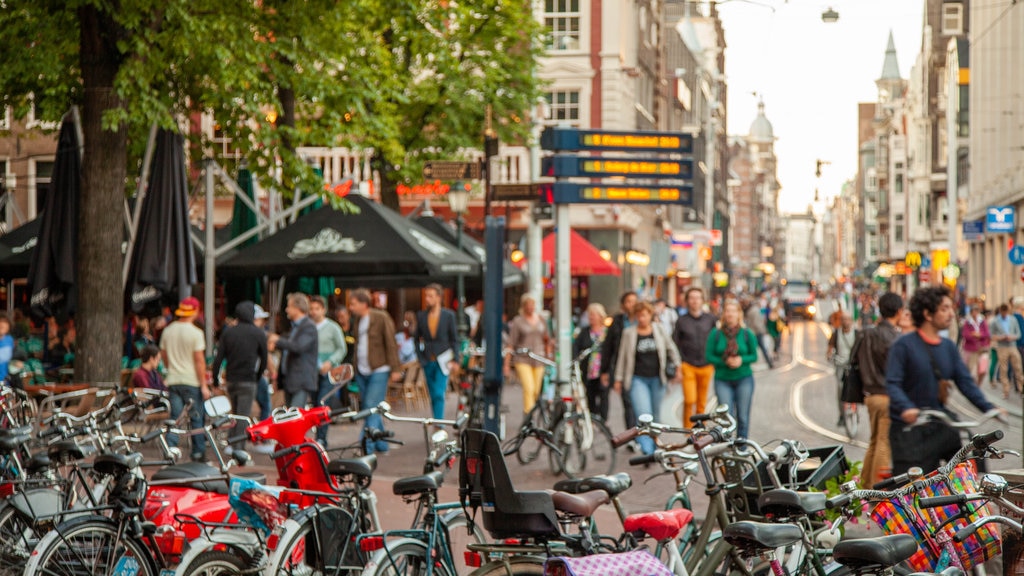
column 898, row 184
column 5, row 118
column 952, row 19
column 899, row 228
column 562, row 20
column 565, row 105
column 43, row 174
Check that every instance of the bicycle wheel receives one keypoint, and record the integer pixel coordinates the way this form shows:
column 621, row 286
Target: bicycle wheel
column 459, row 538
column 317, row 543
column 514, row 566
column 586, row 449
column 406, row 558
column 89, row 547
column 17, row 539
column 216, row 563
column 851, row 419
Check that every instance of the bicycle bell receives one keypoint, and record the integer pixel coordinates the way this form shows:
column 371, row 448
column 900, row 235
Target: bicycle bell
column 993, row 484
column 645, row 419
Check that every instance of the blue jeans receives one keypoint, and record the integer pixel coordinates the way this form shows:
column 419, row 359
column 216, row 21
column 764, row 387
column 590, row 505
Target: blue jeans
column 373, row 388
column 323, row 388
column 437, row 385
column 180, row 394
column 738, row 394
column 646, row 393
column 263, row 398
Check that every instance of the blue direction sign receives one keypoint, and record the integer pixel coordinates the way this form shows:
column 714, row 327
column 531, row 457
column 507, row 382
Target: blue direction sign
column 561, row 138
column 1017, row 255
column 974, row 230
column 571, row 193
column 567, row 165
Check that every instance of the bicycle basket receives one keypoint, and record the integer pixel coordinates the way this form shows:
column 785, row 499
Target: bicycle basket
column 635, row 563
column 936, row 548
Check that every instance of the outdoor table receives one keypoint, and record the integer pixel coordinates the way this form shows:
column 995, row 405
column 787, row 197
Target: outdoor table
column 53, row 388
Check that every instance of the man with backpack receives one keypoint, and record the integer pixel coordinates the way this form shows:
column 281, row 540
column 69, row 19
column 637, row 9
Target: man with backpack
column 871, row 354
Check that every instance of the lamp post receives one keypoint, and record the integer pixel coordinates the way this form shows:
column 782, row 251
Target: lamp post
column 458, row 201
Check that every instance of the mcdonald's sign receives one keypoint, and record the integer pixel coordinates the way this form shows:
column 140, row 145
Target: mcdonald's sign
column 913, row 259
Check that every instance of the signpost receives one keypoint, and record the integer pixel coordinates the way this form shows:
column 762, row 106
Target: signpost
column 1016, row 255
column 514, row 192
column 443, row 170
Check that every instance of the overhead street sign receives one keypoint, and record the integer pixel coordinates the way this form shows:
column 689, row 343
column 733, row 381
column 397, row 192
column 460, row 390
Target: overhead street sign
column 570, row 139
column 513, row 192
column 436, row 170
column 572, row 166
column 566, row 192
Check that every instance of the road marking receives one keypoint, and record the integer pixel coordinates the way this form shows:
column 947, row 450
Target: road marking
column 796, row 399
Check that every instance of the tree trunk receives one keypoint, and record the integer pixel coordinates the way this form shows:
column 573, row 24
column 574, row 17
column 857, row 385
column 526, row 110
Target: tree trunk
column 388, row 184
column 287, row 97
column 100, row 296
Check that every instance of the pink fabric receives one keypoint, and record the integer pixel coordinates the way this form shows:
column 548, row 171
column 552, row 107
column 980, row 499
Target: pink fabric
column 635, row 563
column 976, row 337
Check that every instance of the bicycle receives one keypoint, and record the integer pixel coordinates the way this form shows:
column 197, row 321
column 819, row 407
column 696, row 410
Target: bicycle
column 849, row 414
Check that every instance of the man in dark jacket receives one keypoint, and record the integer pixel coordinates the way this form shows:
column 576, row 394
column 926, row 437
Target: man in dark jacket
column 299, row 372
column 244, row 348
column 872, row 349
column 610, row 350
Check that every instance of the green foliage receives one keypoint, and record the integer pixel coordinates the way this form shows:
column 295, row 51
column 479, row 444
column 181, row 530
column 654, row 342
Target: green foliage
column 832, row 488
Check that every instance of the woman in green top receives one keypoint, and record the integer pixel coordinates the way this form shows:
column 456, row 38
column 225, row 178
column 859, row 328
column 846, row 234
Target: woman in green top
column 732, row 348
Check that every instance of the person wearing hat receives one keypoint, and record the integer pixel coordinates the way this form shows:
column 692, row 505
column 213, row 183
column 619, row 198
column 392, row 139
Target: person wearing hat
column 244, row 349
column 183, row 347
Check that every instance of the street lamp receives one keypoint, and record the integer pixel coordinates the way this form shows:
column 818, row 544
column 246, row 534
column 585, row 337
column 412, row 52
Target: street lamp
column 458, row 201
column 830, row 16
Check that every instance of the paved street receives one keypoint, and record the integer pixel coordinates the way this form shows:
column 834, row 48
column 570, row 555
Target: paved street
column 795, row 400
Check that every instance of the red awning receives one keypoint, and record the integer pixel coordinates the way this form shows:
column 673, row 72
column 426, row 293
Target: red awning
column 584, row 259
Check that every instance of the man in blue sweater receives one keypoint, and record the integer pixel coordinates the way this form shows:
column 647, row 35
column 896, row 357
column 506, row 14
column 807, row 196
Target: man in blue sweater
column 917, row 362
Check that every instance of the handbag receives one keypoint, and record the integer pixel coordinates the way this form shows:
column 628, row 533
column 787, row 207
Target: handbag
column 853, row 384
column 944, row 385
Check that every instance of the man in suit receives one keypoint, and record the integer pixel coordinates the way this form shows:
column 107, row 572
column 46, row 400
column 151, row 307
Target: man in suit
column 299, row 372
column 436, row 341
column 376, row 357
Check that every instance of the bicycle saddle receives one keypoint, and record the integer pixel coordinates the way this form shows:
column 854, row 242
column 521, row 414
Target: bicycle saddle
column 116, row 464
column 66, row 451
column 11, row 443
column 423, row 484
column 786, row 503
column 579, row 504
column 757, row 536
column 662, row 525
column 37, row 463
column 614, row 484
column 182, row 474
column 362, row 467
column 884, row 550
column 18, row 431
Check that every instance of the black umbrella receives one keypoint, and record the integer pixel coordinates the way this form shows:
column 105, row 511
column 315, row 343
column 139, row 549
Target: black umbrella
column 510, row 275
column 17, row 248
column 376, row 247
column 163, row 266
column 51, row 274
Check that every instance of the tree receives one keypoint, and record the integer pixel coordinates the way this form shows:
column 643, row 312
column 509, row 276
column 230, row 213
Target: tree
column 405, row 77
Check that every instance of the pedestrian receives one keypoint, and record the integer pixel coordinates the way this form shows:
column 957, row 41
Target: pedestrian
column 437, row 346
column 183, row 346
column 776, row 326
column 691, row 338
column 528, row 330
column 872, row 358
column 920, row 365
column 376, row 358
column 977, row 342
column 647, row 363
column 755, row 321
column 732, row 349
column 665, row 315
column 592, row 337
column 1018, row 314
column 610, row 351
column 344, row 319
column 298, row 371
column 6, row 346
column 243, row 347
column 1004, row 333
column 840, row 345
column 263, row 384
column 330, row 352
column 147, row 375
column 406, row 338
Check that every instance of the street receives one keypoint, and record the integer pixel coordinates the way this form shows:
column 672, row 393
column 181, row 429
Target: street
column 796, row 400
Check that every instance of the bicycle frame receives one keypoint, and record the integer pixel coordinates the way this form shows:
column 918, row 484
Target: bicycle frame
column 436, row 539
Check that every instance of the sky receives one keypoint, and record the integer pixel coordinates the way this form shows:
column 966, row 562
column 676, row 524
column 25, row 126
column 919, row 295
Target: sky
column 811, row 76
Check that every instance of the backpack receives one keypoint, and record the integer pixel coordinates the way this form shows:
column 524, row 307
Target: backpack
column 853, row 385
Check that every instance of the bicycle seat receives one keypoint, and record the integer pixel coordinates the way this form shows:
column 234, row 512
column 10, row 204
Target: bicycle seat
column 885, row 551
column 579, row 504
column 614, row 484
column 754, row 537
column 11, row 443
column 786, row 503
column 661, row 526
column 361, row 467
column 37, row 463
column 66, row 451
column 19, row 431
column 418, row 484
column 116, row 464
column 182, row 475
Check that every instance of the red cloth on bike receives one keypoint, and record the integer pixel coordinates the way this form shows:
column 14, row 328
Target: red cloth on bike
column 659, row 525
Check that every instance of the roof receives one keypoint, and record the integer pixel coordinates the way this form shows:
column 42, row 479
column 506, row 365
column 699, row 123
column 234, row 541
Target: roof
column 890, row 68
column 761, row 129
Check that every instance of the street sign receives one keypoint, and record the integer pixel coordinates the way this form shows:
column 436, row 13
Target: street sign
column 926, row 261
column 1016, row 255
column 543, row 212
column 567, row 192
column 572, row 139
column 974, row 230
column 572, row 166
column 436, row 170
column 999, row 219
column 925, row 275
column 513, row 192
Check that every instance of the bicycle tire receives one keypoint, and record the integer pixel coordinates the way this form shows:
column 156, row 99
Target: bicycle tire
column 216, row 563
column 578, row 460
column 458, row 539
column 515, row 566
column 300, row 550
column 406, row 558
column 66, row 550
column 17, row 540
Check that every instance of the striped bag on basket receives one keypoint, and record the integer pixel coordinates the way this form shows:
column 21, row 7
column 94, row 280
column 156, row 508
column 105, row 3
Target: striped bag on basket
column 635, row 563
